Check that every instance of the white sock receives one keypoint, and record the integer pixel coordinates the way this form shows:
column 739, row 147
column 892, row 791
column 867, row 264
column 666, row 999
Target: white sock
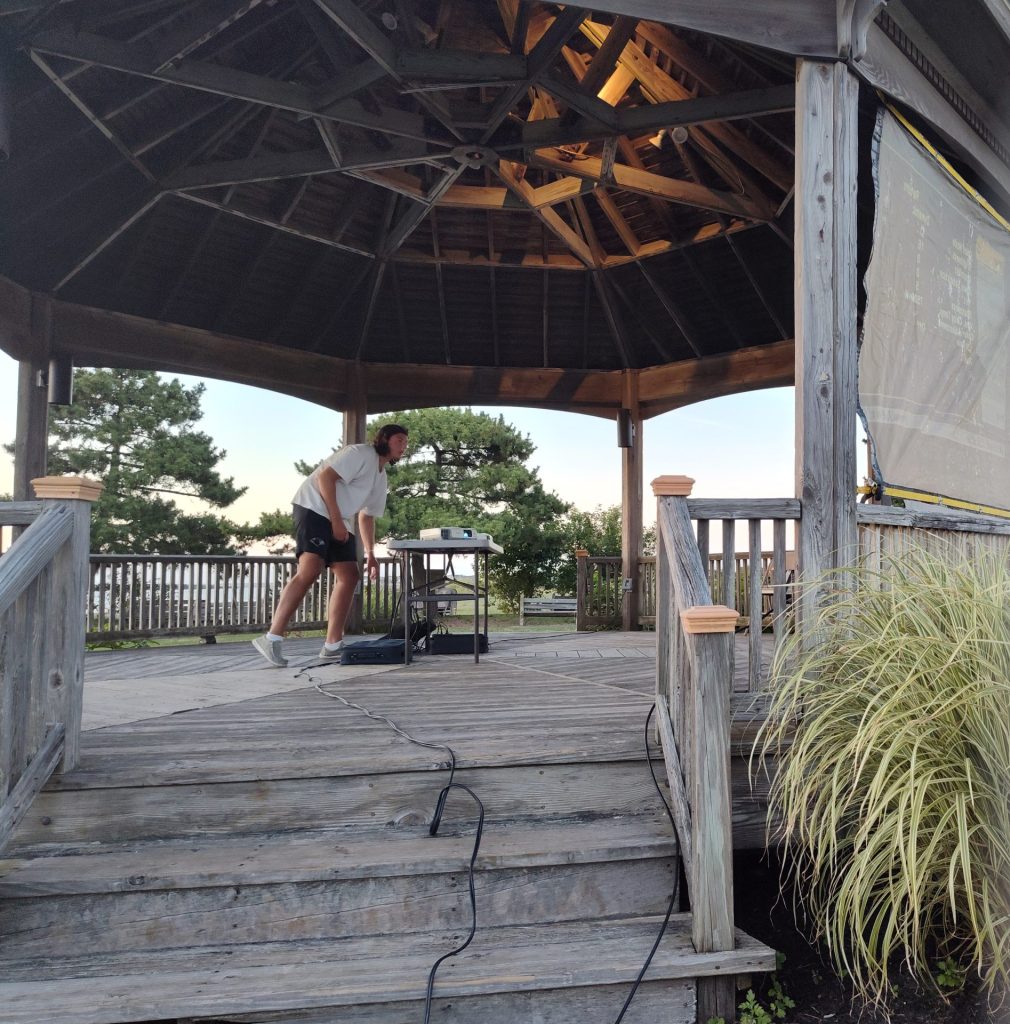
column 334, row 646
column 274, row 636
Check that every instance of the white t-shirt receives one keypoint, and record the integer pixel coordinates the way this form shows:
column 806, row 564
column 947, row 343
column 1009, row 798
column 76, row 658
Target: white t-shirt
column 361, row 485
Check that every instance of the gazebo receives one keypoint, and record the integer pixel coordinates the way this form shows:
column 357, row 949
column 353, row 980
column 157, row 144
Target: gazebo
column 387, row 204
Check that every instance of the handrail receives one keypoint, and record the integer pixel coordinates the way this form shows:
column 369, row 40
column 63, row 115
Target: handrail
column 42, row 589
column 693, row 684
column 29, row 555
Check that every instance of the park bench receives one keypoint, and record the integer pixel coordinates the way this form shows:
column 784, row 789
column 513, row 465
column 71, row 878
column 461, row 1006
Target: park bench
column 546, row 606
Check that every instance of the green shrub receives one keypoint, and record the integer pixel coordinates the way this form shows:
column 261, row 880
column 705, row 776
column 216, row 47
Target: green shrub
column 892, row 735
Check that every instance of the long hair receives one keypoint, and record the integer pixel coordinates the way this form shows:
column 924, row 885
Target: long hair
column 381, row 440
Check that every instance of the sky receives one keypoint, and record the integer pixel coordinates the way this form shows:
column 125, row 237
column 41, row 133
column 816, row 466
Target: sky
column 740, row 446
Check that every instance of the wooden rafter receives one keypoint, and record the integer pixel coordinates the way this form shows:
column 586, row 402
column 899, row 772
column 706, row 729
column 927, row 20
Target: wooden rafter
column 647, row 183
column 617, row 220
column 231, row 82
column 507, row 172
column 659, row 87
column 614, row 319
column 673, row 310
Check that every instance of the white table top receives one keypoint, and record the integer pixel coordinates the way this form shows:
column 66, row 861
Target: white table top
column 447, row 547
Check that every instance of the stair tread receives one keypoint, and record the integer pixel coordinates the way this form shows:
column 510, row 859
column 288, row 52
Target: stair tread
column 110, row 988
column 327, row 854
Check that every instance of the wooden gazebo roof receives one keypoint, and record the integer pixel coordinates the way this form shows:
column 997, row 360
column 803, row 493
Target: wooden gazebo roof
column 332, row 191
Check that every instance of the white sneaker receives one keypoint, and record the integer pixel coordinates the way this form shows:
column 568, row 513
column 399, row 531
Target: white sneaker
column 331, row 653
column 271, row 650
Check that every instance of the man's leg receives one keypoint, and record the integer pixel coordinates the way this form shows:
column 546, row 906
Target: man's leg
column 345, row 579
column 309, row 568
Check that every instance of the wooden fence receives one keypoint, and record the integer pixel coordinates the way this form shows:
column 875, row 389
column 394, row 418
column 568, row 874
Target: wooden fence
column 139, row 596
column 42, row 586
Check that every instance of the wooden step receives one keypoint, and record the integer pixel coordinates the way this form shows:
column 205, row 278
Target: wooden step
column 287, row 977
column 510, row 794
column 329, row 885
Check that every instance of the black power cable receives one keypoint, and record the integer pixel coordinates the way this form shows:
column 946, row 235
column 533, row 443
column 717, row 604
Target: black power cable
column 436, row 822
column 674, row 896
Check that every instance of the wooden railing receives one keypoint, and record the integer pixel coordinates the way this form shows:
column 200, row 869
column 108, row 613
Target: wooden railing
column 599, row 589
column 694, row 641
column 139, row 596
column 42, row 590
column 758, row 583
column 889, row 530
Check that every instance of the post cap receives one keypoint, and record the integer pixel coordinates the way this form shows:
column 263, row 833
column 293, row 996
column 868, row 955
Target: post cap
column 672, row 486
column 79, row 487
column 709, row 618
column 581, row 552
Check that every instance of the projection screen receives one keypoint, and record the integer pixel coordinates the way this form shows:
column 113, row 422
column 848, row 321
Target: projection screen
column 933, row 365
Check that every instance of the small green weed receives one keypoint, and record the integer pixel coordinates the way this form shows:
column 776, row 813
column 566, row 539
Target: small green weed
column 752, row 1011
column 716, row 1020
column 949, row 974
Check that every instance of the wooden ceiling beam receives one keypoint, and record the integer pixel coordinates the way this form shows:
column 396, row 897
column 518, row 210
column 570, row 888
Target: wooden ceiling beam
column 419, row 210
column 461, row 66
column 647, row 328
column 673, row 190
column 225, row 81
column 507, row 172
column 134, row 208
column 539, row 59
column 85, row 109
column 397, row 181
column 660, row 87
column 601, row 67
column 209, row 20
column 256, row 218
column 585, row 223
column 237, row 292
column 636, row 121
column 359, row 27
column 621, row 226
column 613, row 316
column 673, row 310
column 349, row 83
column 594, row 111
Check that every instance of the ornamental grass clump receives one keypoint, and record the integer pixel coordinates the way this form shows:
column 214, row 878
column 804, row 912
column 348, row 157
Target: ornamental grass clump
column 892, row 786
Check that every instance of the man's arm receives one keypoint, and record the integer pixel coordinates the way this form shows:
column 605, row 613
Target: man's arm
column 327, row 484
column 366, row 524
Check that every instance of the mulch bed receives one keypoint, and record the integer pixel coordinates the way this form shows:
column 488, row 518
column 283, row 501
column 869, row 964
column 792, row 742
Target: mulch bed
column 764, row 912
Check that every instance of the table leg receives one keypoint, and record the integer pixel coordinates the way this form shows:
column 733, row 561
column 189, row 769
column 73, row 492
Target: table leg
column 476, row 608
column 405, row 573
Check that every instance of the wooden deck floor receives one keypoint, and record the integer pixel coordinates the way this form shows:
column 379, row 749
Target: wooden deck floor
column 130, row 686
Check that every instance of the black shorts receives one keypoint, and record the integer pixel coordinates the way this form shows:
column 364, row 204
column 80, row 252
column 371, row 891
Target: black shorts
column 314, row 535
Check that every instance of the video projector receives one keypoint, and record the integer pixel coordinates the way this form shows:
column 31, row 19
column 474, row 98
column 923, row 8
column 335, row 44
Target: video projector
column 453, row 533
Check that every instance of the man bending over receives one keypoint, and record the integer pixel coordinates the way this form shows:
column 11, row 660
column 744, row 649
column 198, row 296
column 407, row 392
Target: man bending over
column 349, row 486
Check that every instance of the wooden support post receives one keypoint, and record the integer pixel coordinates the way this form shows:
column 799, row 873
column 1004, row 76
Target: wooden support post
column 631, row 499
column 825, row 309
column 32, row 428
column 581, row 595
column 68, row 598
column 355, row 429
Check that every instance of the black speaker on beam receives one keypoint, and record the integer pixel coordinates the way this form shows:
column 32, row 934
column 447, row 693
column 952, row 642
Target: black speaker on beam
column 625, row 429
column 61, row 380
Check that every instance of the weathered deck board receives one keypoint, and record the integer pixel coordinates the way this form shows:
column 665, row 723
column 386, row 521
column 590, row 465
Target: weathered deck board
column 382, row 969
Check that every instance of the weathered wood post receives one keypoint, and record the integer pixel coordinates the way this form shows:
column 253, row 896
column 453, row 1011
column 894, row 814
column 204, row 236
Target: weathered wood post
column 67, row 606
column 32, row 428
column 581, row 583
column 355, row 432
column 825, row 309
column 630, row 429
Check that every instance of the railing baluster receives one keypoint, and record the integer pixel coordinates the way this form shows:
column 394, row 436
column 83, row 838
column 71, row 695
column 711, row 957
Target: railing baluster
column 756, row 606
